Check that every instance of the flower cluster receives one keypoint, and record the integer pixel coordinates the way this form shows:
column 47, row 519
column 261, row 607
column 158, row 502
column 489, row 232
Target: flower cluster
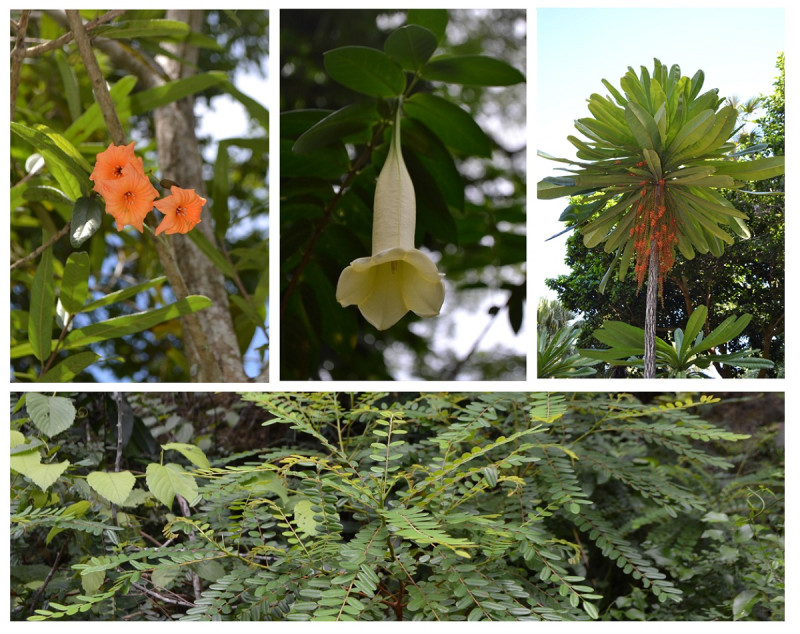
column 653, row 228
column 120, row 179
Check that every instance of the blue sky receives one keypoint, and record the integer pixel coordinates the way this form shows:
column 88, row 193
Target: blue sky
column 576, row 48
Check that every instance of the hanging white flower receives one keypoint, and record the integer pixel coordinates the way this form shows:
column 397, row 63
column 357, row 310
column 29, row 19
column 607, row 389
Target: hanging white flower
column 397, row 277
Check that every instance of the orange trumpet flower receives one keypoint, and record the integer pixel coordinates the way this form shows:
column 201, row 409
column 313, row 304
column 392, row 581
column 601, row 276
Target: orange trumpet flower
column 181, row 210
column 130, row 197
column 110, row 164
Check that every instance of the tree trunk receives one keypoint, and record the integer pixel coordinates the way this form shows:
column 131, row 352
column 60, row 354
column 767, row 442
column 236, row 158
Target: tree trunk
column 650, row 316
column 209, row 337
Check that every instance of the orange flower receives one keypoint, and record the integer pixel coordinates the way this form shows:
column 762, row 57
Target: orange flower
column 130, row 197
column 181, row 210
column 110, row 164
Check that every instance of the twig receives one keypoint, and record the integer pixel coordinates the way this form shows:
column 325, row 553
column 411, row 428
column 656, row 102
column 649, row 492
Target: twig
column 50, row 45
column 35, row 598
column 35, row 253
column 161, row 597
column 17, row 55
column 360, row 162
column 118, row 459
column 187, row 512
column 99, row 86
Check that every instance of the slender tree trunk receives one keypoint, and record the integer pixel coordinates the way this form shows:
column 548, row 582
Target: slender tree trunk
column 650, row 316
column 180, row 161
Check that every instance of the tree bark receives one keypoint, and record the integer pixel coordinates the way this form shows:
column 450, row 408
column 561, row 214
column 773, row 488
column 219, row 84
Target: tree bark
column 180, row 160
column 650, row 316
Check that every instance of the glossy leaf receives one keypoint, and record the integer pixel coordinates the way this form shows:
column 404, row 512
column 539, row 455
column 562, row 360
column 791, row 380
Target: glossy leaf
column 130, row 324
column 122, row 295
column 69, row 368
column 365, row 70
column 454, row 126
column 152, row 98
column 435, row 20
column 410, row 46
column 87, row 217
column 346, row 121
column 475, row 70
column 158, row 28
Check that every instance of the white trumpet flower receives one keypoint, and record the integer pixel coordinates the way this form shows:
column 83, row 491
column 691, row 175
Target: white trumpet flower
column 397, row 277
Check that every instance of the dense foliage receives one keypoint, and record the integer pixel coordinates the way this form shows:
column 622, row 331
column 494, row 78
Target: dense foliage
column 91, row 301
column 397, row 507
column 460, row 76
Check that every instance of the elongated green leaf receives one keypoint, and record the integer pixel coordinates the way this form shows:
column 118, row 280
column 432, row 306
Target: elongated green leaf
column 167, row 481
column 454, row 126
column 47, row 193
column 352, row 119
column 78, row 169
column 192, row 453
column 756, row 170
column 119, row 296
column 114, row 487
column 213, row 253
column 693, row 328
column 69, row 368
column 131, row 324
column 70, row 83
column 50, row 414
column 410, row 46
column 92, row 119
column 365, row 70
column 475, row 70
column 40, row 315
column 148, row 100
column 75, row 282
column 643, row 126
column 159, row 28
column 220, row 188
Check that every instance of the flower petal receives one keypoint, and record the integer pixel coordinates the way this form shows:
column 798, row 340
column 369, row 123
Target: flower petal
column 420, row 294
column 385, row 305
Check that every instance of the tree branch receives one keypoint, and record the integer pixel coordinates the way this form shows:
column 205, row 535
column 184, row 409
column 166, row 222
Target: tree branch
column 17, row 55
column 41, row 49
column 99, row 86
column 35, row 253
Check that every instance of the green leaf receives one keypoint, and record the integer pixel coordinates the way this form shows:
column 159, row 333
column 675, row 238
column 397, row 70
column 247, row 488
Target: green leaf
column 92, row 119
column 114, row 487
column 304, row 517
column 30, row 465
column 130, row 324
column 435, row 20
column 69, row 368
column 192, row 453
column 47, row 193
column 756, row 170
column 161, row 29
column 40, row 315
column 50, row 414
column 454, row 126
column 167, row 481
column 352, row 119
column 213, row 253
column 70, row 83
column 87, row 217
column 365, row 70
column 148, row 100
column 475, row 70
column 75, row 282
column 410, row 46
column 68, row 167
column 220, row 188
column 119, row 296
column 743, row 603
